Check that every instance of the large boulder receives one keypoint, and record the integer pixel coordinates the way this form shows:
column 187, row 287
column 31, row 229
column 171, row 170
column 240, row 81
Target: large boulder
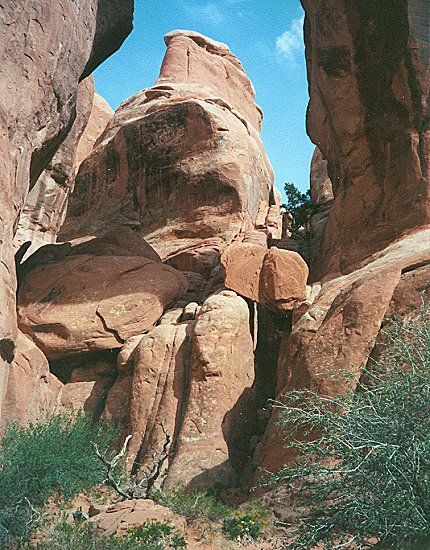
column 117, row 519
column 272, row 277
column 87, row 303
column 369, row 114
column 182, row 161
column 242, row 264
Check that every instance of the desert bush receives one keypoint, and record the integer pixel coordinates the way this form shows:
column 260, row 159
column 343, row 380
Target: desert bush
column 152, row 535
column 204, row 505
column 50, row 459
column 301, row 207
column 159, row 535
column 242, row 528
column 363, row 476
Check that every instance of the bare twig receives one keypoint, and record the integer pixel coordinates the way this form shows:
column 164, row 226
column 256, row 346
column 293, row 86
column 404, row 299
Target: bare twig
column 150, row 476
column 154, row 471
column 110, row 466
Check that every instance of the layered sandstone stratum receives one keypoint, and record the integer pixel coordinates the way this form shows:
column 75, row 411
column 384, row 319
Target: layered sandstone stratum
column 155, row 285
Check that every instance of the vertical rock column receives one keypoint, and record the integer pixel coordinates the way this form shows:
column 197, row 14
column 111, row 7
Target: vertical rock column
column 368, row 66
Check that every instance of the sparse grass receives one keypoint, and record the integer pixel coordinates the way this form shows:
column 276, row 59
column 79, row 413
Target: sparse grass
column 213, row 517
column 152, row 535
column 202, row 505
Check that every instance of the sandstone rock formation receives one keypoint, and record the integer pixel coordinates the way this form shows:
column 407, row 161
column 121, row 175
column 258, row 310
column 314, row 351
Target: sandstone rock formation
column 100, row 115
column 340, row 329
column 368, row 66
column 321, row 187
column 213, row 433
column 116, row 519
column 31, row 390
column 88, row 386
column 272, row 277
column 368, row 114
column 191, row 376
column 86, row 303
column 45, row 205
column 46, row 49
column 182, row 161
column 169, row 304
column 189, row 173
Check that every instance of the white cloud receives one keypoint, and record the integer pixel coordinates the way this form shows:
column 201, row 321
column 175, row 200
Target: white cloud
column 291, row 41
column 209, row 13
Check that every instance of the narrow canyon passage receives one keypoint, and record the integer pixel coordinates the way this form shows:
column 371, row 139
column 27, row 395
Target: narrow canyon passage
column 163, row 286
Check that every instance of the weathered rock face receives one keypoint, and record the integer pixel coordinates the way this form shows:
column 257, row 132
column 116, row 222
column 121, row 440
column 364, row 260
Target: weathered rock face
column 31, row 390
column 100, row 115
column 368, row 114
column 152, row 345
column 8, row 326
column 46, row 48
column 116, row 519
column 274, row 278
column 368, row 66
column 192, row 374
column 321, row 187
column 158, row 388
column 338, row 332
column 212, row 437
column 45, row 205
column 86, row 303
column 183, row 160
column 183, row 164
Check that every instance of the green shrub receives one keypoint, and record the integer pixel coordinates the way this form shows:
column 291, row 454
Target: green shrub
column 160, row 535
column 151, row 535
column 50, row 459
column 204, row 505
column 364, row 467
column 242, row 527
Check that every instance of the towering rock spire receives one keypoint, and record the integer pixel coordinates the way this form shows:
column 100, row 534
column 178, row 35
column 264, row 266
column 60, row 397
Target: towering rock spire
column 181, row 161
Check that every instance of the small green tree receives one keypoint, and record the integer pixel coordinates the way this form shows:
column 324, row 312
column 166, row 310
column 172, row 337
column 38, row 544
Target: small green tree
column 53, row 458
column 365, row 478
column 301, row 207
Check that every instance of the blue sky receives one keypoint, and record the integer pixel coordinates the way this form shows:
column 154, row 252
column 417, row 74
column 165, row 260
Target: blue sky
column 266, row 35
